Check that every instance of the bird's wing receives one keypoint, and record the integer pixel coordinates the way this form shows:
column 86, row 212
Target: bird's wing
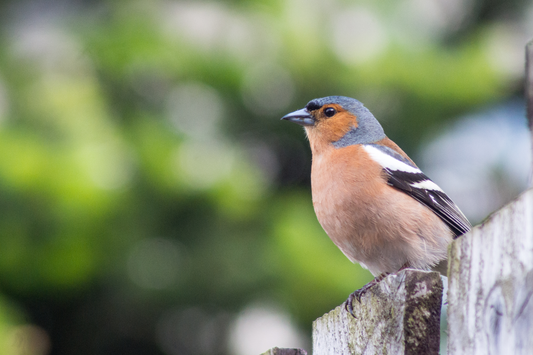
column 406, row 177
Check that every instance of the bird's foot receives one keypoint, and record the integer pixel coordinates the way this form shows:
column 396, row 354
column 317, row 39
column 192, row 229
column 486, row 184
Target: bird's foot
column 348, row 305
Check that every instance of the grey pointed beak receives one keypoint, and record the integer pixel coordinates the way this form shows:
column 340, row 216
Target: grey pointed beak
column 302, row 117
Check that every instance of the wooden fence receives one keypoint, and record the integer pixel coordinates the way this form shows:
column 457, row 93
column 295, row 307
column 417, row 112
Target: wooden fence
column 490, row 293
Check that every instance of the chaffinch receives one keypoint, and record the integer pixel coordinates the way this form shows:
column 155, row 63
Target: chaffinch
column 371, row 199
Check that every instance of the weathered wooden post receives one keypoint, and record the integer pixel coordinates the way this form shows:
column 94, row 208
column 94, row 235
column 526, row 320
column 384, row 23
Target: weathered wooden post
column 490, row 307
column 401, row 315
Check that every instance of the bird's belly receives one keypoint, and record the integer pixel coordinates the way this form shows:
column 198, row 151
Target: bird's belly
column 380, row 229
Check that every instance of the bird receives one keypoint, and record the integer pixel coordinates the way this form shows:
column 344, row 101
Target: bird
column 370, row 198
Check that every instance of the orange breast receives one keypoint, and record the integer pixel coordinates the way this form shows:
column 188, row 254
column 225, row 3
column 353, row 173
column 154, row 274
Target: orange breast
column 347, row 189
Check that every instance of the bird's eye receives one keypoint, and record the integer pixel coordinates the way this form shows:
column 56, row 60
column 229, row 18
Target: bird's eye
column 330, row 111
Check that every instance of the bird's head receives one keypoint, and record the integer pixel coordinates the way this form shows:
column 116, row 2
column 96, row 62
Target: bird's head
column 337, row 120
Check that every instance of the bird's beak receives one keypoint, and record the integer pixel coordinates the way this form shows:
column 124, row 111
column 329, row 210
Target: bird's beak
column 302, row 117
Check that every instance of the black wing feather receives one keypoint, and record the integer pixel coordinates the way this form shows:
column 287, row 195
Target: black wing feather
column 435, row 200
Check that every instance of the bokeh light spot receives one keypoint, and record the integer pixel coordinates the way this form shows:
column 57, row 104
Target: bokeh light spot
column 267, row 89
column 505, row 50
column 428, row 20
column 261, row 327
column 107, row 165
column 358, row 35
column 203, row 164
column 51, row 48
column 195, row 109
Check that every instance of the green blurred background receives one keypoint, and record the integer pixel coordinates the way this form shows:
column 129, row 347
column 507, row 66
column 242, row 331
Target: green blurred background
column 151, row 202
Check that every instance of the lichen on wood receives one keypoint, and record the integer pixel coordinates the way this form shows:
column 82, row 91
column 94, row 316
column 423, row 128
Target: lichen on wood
column 400, row 315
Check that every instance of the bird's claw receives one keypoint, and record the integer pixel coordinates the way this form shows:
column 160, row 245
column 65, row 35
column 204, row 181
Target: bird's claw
column 356, row 295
